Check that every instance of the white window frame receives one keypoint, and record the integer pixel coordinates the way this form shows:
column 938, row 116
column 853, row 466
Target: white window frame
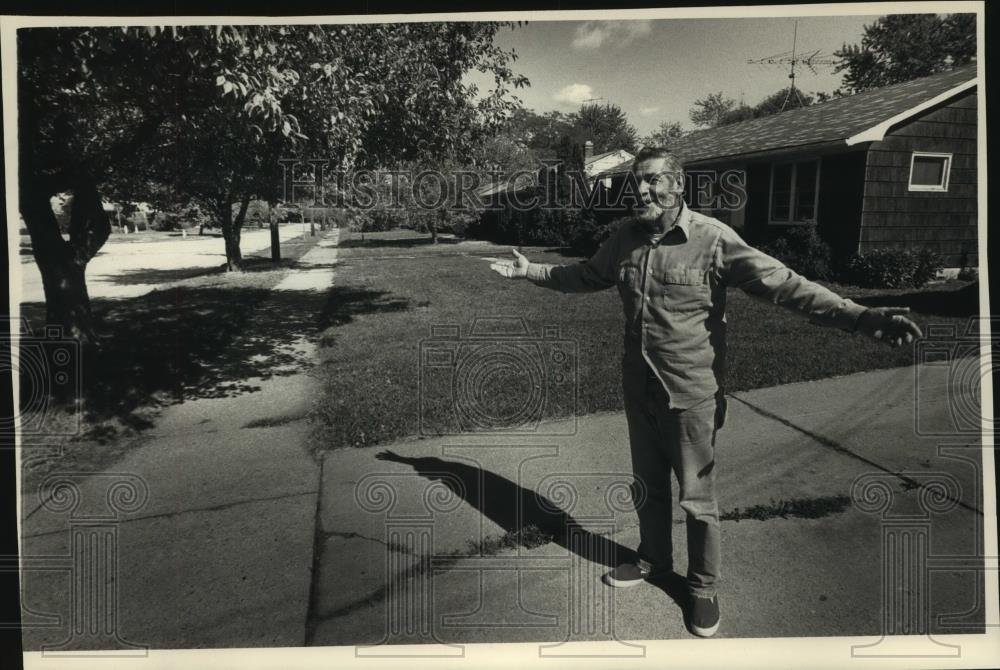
column 939, row 188
column 791, row 193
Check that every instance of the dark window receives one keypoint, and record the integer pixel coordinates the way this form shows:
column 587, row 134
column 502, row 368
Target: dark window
column 793, row 192
column 929, row 172
column 781, row 190
column 805, row 191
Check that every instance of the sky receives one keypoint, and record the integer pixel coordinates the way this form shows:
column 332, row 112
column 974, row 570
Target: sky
column 655, row 69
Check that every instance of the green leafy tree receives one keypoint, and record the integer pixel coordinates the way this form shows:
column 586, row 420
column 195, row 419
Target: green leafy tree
column 901, row 47
column 709, row 111
column 664, row 136
column 606, row 126
column 773, row 103
column 538, row 133
column 210, row 111
column 717, row 110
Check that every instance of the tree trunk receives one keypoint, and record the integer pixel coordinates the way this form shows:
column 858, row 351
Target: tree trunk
column 231, row 232
column 63, row 264
column 275, row 237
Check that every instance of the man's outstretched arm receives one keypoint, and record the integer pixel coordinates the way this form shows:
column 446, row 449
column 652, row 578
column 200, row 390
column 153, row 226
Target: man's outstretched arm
column 760, row 275
column 595, row 274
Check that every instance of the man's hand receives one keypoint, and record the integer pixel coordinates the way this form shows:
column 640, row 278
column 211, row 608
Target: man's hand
column 886, row 324
column 518, row 268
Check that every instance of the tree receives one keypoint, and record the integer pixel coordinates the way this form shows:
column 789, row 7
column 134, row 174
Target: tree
column 503, row 153
column 707, row 112
column 717, row 110
column 606, row 126
column 664, row 136
column 209, row 110
column 540, row 133
column 782, row 100
column 901, row 47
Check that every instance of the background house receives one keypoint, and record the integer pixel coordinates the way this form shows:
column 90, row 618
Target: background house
column 594, row 166
column 891, row 167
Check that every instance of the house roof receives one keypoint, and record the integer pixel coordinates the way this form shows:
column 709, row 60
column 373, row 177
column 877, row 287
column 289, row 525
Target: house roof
column 862, row 117
column 598, row 157
column 504, row 184
column 624, row 166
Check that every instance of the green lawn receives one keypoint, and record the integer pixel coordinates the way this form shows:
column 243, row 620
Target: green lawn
column 393, row 287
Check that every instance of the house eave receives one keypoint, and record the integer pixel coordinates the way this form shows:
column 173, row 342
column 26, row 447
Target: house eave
column 877, row 132
column 778, row 152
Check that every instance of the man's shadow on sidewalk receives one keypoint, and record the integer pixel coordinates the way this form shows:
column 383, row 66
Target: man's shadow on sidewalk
column 499, row 499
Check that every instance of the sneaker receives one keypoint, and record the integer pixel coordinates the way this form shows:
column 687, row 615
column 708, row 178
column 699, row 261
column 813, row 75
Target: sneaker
column 630, row 574
column 704, row 615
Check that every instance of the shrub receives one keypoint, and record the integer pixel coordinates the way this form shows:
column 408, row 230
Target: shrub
column 803, row 250
column 358, row 221
column 444, row 221
column 591, row 233
column 892, row 268
column 381, row 220
column 965, row 272
column 968, row 274
column 370, row 221
column 929, row 264
column 537, row 226
column 166, row 221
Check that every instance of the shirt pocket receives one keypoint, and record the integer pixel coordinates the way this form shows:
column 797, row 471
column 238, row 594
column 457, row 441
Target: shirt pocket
column 686, row 290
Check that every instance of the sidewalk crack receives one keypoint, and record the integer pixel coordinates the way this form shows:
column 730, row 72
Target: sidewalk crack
column 833, row 445
column 350, row 535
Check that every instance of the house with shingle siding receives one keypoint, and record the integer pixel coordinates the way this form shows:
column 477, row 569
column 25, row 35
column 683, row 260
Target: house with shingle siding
column 891, row 167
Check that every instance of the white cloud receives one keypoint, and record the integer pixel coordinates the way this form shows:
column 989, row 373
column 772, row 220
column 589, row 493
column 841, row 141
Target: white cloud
column 648, row 111
column 574, row 94
column 594, row 34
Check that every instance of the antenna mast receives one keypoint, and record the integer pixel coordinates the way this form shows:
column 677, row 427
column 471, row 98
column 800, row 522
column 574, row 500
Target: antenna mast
column 793, row 61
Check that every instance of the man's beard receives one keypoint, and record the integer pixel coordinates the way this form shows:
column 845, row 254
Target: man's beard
column 649, row 215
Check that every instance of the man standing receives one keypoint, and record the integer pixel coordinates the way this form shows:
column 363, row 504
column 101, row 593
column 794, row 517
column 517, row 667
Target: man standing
column 672, row 267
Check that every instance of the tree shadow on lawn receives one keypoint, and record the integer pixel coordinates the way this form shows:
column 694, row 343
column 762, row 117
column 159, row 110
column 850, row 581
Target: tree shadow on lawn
column 157, row 276
column 499, row 499
column 399, row 243
column 963, row 301
column 186, row 343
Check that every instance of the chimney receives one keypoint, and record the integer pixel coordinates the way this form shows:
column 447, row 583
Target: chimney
column 588, row 149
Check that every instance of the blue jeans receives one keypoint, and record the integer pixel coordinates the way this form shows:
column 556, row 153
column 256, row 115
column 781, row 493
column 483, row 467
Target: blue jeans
column 661, row 440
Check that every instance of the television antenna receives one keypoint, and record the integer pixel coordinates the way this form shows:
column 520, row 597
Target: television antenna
column 592, row 100
column 794, row 61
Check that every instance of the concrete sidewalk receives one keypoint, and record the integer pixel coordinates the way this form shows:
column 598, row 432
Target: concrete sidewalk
column 420, row 540
column 246, row 540
column 160, row 259
column 220, row 554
